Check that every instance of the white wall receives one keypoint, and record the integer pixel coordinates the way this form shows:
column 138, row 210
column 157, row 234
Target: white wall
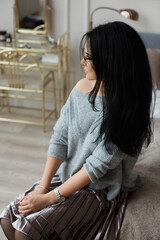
column 73, row 15
column 6, row 15
column 78, row 18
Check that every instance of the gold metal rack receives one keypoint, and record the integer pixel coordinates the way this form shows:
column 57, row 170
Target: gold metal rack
column 16, row 82
column 61, row 68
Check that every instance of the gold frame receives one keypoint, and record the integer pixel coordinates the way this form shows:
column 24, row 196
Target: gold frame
column 35, row 31
column 63, row 45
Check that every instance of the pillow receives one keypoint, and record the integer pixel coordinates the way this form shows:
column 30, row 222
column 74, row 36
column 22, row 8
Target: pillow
column 154, row 60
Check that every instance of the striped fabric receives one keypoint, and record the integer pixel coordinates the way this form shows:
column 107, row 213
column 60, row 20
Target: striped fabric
column 84, row 215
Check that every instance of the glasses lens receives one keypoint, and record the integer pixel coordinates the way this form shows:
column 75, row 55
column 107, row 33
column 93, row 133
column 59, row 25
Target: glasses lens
column 86, row 56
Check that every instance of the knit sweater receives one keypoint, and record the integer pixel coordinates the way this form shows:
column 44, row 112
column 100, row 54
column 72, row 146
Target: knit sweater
column 77, row 143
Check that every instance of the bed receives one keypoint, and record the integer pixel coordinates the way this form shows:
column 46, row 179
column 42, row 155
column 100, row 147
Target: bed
column 142, row 216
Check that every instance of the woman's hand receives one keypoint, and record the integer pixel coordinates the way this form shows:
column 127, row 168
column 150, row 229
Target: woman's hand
column 31, row 203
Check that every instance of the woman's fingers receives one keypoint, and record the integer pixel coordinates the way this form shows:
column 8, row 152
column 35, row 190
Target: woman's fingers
column 25, row 208
column 25, row 212
column 20, row 200
column 31, row 203
column 23, row 203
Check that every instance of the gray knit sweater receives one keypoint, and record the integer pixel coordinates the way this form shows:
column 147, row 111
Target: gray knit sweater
column 75, row 141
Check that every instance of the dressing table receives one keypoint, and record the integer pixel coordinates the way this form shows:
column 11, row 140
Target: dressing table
column 50, row 55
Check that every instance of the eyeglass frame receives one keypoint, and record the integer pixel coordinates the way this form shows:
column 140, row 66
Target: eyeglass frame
column 89, row 58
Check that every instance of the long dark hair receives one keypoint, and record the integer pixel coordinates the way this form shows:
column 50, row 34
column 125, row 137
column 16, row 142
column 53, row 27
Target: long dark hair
column 122, row 68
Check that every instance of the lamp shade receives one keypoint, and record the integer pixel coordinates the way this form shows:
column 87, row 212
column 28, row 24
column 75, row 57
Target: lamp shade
column 129, row 13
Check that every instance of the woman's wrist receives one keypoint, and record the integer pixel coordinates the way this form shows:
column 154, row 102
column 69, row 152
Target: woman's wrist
column 51, row 198
column 41, row 189
column 44, row 188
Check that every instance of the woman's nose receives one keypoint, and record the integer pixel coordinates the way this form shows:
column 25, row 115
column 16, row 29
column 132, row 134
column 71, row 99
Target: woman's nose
column 82, row 62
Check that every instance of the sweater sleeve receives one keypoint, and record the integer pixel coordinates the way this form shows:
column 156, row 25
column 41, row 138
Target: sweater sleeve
column 100, row 161
column 59, row 140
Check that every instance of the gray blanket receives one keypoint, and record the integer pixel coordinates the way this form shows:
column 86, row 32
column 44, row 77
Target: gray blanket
column 142, row 216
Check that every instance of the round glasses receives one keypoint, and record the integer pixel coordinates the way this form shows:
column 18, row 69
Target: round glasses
column 87, row 58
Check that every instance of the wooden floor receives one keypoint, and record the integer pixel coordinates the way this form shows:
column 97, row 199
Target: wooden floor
column 23, row 150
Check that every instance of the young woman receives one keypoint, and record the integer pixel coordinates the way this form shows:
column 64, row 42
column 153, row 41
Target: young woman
column 95, row 145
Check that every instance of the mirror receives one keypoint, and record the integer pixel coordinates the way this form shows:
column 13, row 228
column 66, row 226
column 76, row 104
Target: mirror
column 31, row 17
